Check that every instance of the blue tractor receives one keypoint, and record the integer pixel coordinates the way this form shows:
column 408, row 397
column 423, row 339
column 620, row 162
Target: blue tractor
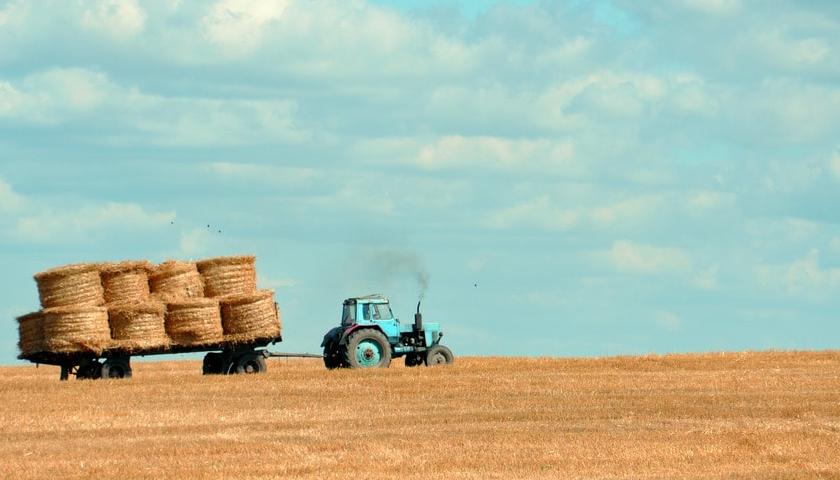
column 370, row 336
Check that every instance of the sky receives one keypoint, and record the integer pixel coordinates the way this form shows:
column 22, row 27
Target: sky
column 570, row 178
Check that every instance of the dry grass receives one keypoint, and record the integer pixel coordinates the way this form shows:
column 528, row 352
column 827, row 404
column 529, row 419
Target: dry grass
column 756, row 415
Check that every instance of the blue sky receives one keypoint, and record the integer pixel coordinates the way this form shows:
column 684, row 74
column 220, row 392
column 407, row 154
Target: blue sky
column 575, row 178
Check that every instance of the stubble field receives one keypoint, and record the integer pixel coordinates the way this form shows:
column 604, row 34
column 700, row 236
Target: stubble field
column 735, row 415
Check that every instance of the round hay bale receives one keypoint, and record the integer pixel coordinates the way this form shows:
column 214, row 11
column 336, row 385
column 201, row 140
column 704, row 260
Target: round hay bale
column 251, row 316
column 172, row 281
column 196, row 321
column 138, row 326
column 125, row 281
column 76, row 284
column 224, row 276
column 76, row 329
column 31, row 329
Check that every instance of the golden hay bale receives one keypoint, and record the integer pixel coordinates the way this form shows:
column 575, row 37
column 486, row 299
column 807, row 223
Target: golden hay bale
column 195, row 321
column 138, row 326
column 76, row 329
column 224, row 276
column 172, row 281
column 250, row 316
column 126, row 281
column 31, row 329
column 76, row 284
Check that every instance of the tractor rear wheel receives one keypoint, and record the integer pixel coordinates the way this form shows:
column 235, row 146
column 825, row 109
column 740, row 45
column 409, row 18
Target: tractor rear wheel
column 367, row 348
column 439, row 355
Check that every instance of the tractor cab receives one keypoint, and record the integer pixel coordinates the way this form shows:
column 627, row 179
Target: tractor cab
column 370, row 336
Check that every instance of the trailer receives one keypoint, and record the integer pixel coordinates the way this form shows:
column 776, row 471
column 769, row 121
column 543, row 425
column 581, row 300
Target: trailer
column 222, row 358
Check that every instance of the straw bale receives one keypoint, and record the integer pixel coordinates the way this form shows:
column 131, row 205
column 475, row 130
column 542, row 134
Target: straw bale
column 76, row 284
column 224, row 276
column 194, row 321
column 138, row 326
column 173, row 280
column 76, row 329
column 126, row 281
column 249, row 317
column 31, row 329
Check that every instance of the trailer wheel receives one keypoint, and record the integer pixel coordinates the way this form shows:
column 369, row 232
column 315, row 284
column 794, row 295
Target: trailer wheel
column 367, row 348
column 413, row 359
column 116, row 368
column 213, row 364
column 251, row 363
column 439, row 355
column 89, row 370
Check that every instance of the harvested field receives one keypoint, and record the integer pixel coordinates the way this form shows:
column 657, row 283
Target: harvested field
column 752, row 415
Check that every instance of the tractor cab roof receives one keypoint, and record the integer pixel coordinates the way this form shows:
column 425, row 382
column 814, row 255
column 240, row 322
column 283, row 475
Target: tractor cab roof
column 376, row 298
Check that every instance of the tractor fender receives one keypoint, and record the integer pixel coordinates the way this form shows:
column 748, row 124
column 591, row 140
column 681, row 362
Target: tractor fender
column 333, row 336
column 354, row 328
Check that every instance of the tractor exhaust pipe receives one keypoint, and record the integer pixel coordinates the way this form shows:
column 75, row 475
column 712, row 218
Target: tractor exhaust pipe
column 418, row 318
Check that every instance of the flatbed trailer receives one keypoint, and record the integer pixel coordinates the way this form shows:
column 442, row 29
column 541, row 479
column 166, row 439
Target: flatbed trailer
column 222, row 358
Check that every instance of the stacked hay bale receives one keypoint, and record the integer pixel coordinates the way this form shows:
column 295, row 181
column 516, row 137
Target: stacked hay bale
column 135, row 306
column 31, row 329
column 138, row 326
column 125, row 282
column 250, row 316
column 195, row 321
column 136, row 320
column 73, row 318
column 76, row 328
column 247, row 314
column 174, row 280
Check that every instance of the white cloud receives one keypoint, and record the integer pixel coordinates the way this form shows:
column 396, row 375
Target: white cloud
column 116, row 18
column 9, row 200
column 237, row 25
column 195, row 242
column 802, row 277
column 669, row 321
column 262, row 173
column 546, row 212
column 834, row 164
column 704, row 200
column 276, row 283
column 59, row 96
column 637, row 258
column 707, row 279
column 55, row 226
column 719, row 7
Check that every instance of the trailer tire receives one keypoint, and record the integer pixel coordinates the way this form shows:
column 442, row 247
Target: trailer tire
column 367, row 348
column 116, row 368
column 213, row 364
column 89, row 370
column 439, row 355
column 251, row 363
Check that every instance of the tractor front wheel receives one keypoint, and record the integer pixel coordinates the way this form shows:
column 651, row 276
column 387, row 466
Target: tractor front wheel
column 367, row 348
column 439, row 355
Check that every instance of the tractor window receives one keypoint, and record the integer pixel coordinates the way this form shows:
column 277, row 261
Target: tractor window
column 348, row 317
column 366, row 311
column 382, row 312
